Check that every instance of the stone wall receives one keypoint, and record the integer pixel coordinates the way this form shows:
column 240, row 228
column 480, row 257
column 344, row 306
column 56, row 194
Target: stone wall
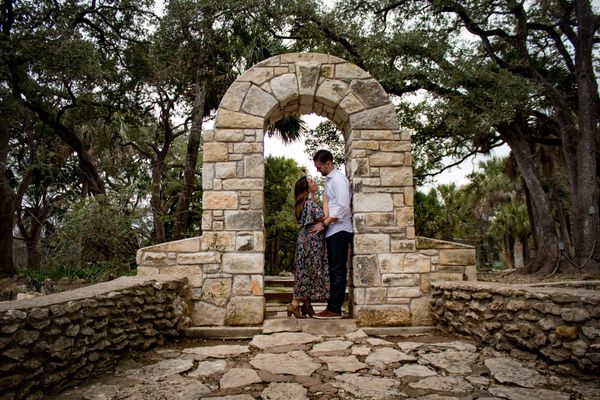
column 394, row 289
column 51, row 342
column 560, row 322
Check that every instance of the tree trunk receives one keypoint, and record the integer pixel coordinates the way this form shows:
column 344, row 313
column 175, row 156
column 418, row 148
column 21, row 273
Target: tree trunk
column 7, row 205
column 519, row 259
column 189, row 177
column 158, row 215
column 584, row 183
column 544, row 232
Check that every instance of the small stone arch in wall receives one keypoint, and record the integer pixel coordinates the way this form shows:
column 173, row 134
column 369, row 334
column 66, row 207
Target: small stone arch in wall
column 390, row 278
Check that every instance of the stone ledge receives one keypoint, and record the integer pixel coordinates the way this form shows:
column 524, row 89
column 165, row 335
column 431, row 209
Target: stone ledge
column 223, row 332
column 85, row 292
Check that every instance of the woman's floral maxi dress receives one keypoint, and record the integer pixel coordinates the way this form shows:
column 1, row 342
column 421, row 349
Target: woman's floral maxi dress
column 311, row 270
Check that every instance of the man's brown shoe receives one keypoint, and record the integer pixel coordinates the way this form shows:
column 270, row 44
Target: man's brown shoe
column 326, row 314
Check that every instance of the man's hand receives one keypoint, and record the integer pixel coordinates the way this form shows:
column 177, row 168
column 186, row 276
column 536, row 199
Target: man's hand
column 316, row 228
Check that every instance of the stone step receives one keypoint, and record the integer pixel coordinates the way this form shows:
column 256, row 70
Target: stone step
column 337, row 327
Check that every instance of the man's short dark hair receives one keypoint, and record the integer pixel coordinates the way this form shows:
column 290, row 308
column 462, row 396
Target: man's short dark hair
column 323, row 156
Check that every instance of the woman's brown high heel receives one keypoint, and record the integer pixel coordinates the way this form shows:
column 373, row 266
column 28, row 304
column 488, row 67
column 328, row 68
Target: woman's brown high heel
column 307, row 309
column 292, row 310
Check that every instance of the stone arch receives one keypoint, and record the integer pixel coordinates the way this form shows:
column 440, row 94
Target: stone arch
column 391, row 268
column 378, row 165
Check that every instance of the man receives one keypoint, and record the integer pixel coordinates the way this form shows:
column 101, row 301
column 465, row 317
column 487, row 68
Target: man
column 338, row 226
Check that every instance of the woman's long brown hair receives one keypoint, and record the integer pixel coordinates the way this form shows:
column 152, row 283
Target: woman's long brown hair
column 301, row 194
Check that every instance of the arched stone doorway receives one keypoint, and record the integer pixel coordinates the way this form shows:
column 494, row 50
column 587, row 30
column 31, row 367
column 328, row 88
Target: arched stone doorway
column 390, row 278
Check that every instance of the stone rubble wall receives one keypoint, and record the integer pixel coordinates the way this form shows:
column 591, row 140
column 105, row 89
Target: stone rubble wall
column 51, row 342
column 560, row 323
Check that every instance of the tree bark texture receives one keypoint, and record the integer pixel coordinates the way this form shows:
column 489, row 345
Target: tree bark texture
column 7, row 205
column 191, row 161
column 543, row 227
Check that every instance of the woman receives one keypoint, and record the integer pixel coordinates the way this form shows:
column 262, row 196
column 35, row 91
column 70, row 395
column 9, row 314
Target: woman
column 311, row 273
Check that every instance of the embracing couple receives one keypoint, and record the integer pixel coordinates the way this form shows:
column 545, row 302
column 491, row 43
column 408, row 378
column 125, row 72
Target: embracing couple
column 322, row 246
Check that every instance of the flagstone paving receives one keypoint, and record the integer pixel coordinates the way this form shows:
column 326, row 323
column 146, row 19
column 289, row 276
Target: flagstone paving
column 334, row 362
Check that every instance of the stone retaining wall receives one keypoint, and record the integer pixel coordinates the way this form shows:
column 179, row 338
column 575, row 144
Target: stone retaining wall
column 51, row 342
column 560, row 323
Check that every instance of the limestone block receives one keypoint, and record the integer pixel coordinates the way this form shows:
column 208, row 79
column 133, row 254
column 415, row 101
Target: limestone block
column 245, row 310
column 258, row 102
column 234, row 96
column 327, row 71
column 395, row 176
column 244, row 241
column 376, row 134
column 218, row 241
column 331, row 92
column 375, row 295
column 379, row 118
column 402, row 246
column 233, row 119
column 350, row 71
column 366, row 144
column 257, row 75
column 379, row 219
column 254, row 166
column 214, row 152
column 405, row 216
column 371, row 243
column 192, row 272
column 216, row 291
column 457, row 256
column 420, row 310
column 377, row 202
column 382, row 315
column 243, row 263
column 229, row 135
column 358, row 296
column 224, row 170
column 359, row 167
column 285, row 88
column 213, row 200
column 208, row 174
column 257, row 285
column 350, row 104
column 308, row 75
column 404, row 292
column 244, row 220
column 409, row 194
column 381, row 159
column 158, row 259
column 250, row 147
column 392, row 263
column 369, row 92
column 401, row 146
column 366, row 271
column 400, row 279
column 471, row 272
column 241, row 285
column 259, row 241
column 425, row 281
column 206, row 314
column 208, row 257
column 208, row 135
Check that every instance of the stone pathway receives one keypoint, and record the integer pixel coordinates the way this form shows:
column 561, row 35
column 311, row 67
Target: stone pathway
column 317, row 360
